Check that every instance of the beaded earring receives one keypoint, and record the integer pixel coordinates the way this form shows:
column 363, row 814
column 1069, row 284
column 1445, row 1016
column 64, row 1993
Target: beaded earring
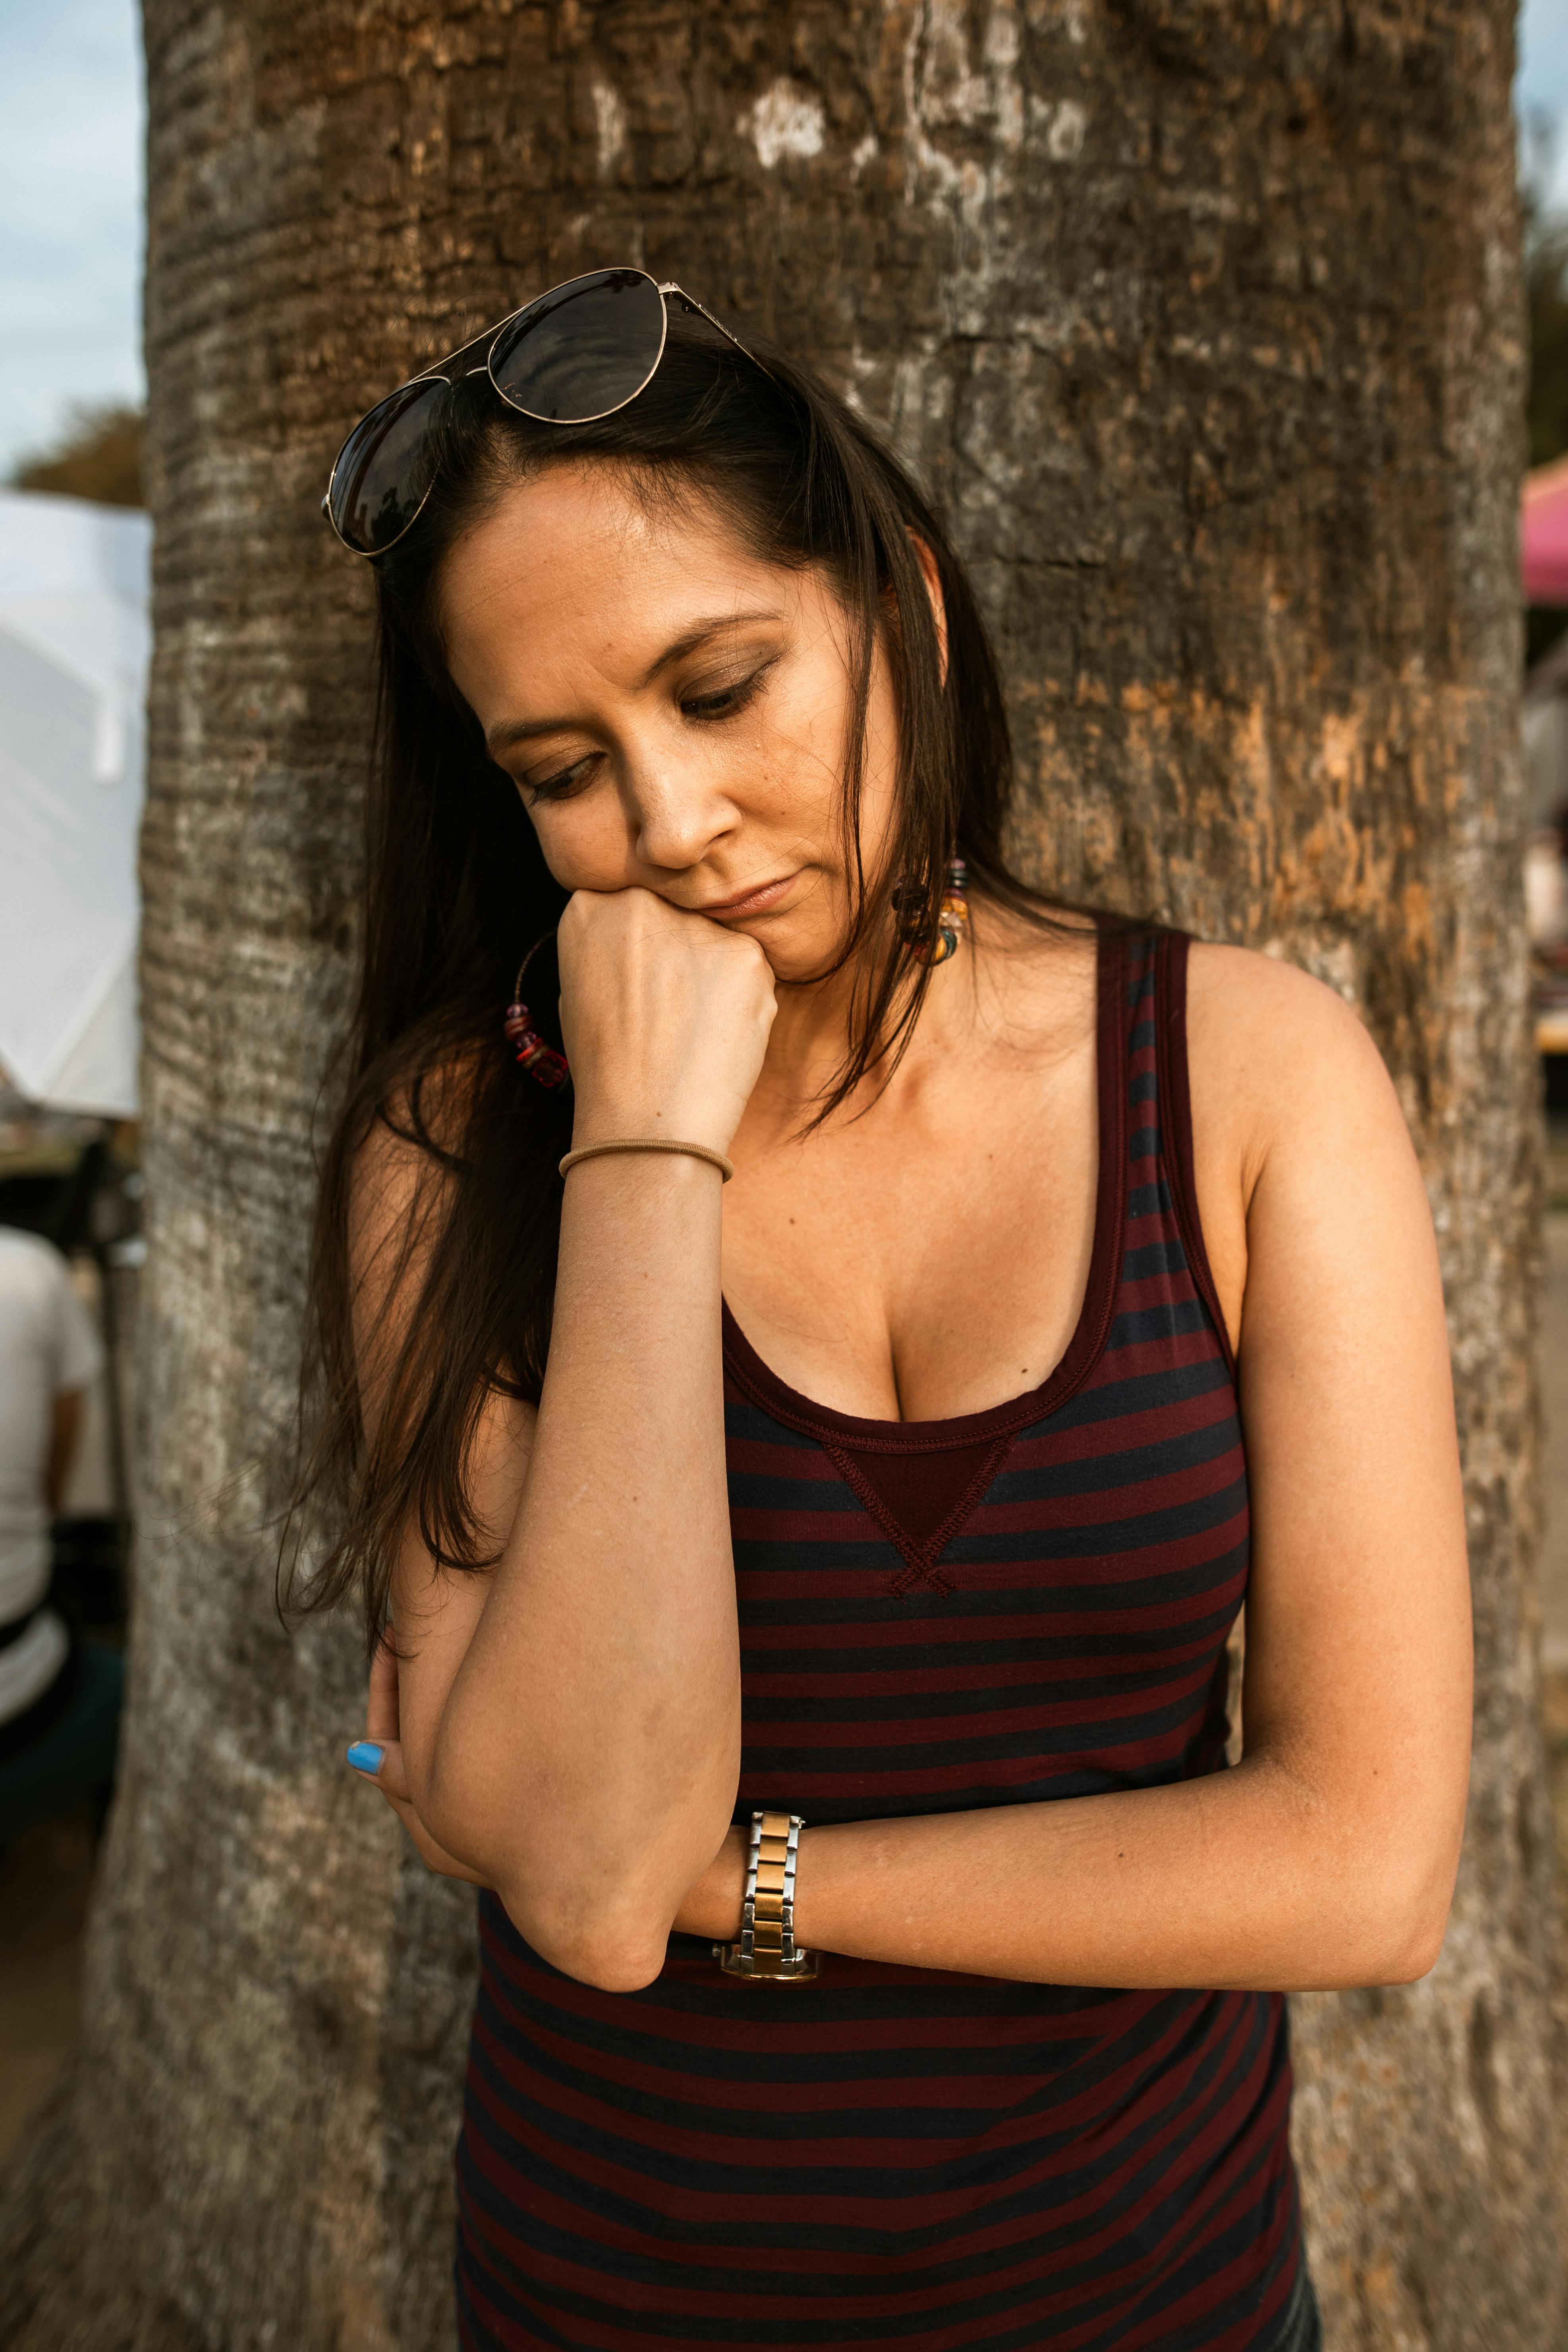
column 544, row 1065
column 911, row 903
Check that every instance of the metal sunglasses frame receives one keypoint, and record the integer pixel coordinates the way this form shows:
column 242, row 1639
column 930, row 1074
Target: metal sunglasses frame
column 450, row 370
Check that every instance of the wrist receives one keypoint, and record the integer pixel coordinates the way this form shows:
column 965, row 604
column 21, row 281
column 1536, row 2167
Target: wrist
column 599, row 1135
column 608, row 1119
column 645, row 1147
column 767, row 1950
column 712, row 1906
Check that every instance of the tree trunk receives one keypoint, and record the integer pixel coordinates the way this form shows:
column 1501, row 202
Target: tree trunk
column 1203, row 316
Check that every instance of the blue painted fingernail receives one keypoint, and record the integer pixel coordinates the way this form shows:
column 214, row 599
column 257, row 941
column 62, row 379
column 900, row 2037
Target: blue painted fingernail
column 365, row 1756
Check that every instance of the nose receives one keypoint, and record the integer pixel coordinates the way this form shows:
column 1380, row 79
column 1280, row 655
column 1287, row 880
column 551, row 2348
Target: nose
column 677, row 817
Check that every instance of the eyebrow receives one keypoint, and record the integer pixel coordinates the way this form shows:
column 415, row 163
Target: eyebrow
column 508, row 732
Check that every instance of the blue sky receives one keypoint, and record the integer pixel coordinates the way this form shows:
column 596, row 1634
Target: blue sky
column 71, row 116
column 1541, row 87
column 71, row 198
column 70, row 211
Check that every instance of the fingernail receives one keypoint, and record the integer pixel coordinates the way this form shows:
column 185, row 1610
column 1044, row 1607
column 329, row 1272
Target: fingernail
column 365, row 1756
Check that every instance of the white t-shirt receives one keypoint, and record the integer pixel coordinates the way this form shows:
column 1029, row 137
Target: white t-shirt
column 47, row 1346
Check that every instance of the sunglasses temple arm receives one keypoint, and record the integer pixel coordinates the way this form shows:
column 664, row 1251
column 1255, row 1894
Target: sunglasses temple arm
column 693, row 304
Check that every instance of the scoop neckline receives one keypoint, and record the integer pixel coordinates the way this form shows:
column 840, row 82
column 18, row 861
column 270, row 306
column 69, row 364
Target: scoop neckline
column 764, row 1387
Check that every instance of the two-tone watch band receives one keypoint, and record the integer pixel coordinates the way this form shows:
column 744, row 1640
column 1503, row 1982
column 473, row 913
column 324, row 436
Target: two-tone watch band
column 767, row 1952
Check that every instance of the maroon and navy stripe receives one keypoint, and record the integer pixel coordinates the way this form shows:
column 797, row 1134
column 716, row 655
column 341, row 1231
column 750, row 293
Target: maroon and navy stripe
column 910, row 2158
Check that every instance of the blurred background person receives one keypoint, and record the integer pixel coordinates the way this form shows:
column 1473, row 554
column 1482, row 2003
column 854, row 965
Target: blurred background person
column 60, row 1698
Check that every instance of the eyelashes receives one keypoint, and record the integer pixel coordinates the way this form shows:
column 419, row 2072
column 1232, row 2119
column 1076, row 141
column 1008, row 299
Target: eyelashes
column 702, row 709
column 728, row 701
column 562, row 787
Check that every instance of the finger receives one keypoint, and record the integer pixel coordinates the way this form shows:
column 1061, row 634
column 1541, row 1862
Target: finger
column 381, row 1761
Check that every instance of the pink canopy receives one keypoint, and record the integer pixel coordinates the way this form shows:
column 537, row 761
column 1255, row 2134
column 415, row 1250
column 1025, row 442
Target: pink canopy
column 1543, row 534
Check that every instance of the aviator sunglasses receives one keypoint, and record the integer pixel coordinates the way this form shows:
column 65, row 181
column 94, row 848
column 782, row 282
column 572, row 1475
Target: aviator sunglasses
column 577, row 354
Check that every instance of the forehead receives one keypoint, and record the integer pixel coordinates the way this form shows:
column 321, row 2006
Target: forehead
column 576, row 568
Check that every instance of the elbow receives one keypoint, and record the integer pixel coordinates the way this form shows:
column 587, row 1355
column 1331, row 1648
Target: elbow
column 601, row 1917
column 600, row 1913
column 609, row 1947
column 1398, row 1939
column 1373, row 1885
column 561, row 1915
column 1418, row 1960
column 1415, row 1947
column 611, row 1969
column 1359, row 1952
column 590, row 1883
column 1420, row 1899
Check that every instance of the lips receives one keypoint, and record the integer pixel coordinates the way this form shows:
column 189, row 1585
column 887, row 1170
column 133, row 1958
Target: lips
column 750, row 902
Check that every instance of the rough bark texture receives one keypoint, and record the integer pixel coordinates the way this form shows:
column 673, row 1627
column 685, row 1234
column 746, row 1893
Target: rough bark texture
column 1203, row 317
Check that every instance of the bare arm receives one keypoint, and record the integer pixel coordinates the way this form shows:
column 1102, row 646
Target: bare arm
column 571, row 1721
column 1327, row 1857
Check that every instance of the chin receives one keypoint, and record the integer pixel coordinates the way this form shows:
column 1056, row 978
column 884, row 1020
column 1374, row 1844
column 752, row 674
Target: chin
column 796, row 961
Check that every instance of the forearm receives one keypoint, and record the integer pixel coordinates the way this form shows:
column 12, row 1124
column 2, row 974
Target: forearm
column 587, row 1755
column 1247, row 1879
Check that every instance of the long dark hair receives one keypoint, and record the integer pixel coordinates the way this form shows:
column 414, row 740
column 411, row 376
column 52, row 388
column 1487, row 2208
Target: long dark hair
column 458, row 891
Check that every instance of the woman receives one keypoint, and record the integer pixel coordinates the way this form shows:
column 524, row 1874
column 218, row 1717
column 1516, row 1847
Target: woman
column 1072, row 1286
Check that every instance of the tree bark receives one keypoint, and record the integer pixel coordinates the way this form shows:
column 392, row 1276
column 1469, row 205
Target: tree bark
column 1203, row 317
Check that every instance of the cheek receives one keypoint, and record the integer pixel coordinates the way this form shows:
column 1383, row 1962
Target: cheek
column 799, row 749
column 584, row 842
column 876, row 814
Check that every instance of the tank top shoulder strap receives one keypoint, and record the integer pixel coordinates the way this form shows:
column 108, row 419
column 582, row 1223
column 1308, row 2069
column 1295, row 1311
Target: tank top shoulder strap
column 1167, row 1001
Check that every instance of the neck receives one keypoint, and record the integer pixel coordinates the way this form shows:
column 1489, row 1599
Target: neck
column 812, row 1032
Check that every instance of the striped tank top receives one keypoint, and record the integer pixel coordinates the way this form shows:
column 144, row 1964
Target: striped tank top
column 1026, row 1603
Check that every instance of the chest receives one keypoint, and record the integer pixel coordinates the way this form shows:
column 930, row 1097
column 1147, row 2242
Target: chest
column 1027, row 1603
column 1023, row 1595
column 930, row 1258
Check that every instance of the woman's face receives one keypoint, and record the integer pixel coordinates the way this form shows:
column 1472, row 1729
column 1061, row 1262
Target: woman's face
column 674, row 711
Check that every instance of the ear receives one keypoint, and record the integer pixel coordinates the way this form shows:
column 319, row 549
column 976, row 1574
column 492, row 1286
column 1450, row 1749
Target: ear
column 932, row 575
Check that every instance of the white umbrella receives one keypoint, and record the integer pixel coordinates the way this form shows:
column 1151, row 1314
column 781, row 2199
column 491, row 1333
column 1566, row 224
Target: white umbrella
column 75, row 636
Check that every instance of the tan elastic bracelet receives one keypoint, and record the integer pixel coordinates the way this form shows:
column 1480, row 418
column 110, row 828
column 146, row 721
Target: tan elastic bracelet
column 651, row 1143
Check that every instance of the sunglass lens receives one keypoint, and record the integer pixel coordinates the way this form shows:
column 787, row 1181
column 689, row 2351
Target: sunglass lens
column 384, row 468
column 584, row 350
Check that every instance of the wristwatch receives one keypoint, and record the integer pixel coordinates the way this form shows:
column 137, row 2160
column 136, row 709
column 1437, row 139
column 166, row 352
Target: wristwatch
column 767, row 1952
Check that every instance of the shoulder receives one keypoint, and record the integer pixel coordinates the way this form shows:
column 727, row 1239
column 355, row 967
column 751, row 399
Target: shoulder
column 1238, row 994
column 1291, row 1106
column 40, row 1312
column 1270, row 1048
column 31, row 1267
column 1041, row 974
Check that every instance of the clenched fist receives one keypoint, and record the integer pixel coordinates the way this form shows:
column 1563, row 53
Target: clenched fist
column 664, row 1016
